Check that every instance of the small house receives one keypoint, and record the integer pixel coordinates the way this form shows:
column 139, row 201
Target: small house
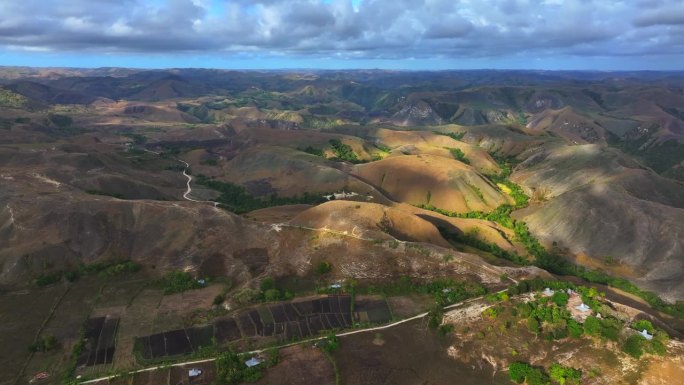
column 194, row 372
column 644, row 333
column 335, row 286
column 254, row 361
column 548, row 292
column 583, row 308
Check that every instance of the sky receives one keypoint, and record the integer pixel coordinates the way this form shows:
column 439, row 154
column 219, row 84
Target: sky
column 341, row 34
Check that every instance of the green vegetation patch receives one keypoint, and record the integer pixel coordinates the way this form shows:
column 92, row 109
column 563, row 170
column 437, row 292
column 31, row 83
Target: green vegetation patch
column 12, row 99
column 458, row 154
column 231, row 368
column 343, row 152
column 444, row 291
column 180, row 281
column 103, row 269
column 453, row 135
column 238, row 200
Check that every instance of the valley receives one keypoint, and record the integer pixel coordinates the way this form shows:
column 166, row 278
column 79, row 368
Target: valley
column 336, row 225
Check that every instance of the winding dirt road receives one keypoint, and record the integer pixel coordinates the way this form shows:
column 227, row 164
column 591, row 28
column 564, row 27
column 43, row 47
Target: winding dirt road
column 186, row 196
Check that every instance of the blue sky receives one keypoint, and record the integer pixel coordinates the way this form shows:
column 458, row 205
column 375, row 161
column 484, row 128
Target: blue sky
column 339, row 34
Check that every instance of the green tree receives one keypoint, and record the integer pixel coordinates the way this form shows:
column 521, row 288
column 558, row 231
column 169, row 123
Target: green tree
column 323, row 268
column 560, row 298
column 228, row 368
column 574, row 328
column 518, row 371
column 267, row 284
column 563, row 374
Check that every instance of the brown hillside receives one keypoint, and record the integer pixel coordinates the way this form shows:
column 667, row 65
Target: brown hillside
column 370, row 220
column 424, row 142
column 428, row 179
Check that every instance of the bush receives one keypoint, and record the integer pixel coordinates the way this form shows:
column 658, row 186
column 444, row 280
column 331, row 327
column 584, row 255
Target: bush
column 533, row 325
column 266, row 284
column 323, row 268
column 644, row 324
column 312, row 151
column 179, row 281
column 459, row 155
column 563, row 374
column 272, row 295
column 560, row 298
column 592, row 326
column 343, row 152
column 634, row 345
column 574, row 329
column 331, row 343
column 44, row 344
column 219, row 299
column 520, row 371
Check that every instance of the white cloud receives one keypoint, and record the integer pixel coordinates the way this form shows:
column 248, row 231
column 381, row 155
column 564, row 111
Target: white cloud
column 369, row 28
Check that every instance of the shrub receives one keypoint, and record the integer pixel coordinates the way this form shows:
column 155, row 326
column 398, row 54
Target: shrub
column 323, row 268
column 592, row 326
column 563, row 374
column 560, row 298
column 219, row 299
column 272, row 295
column 459, row 155
column 644, row 324
column 331, row 343
column 533, row 325
column 343, row 152
column 179, row 281
column 634, row 345
column 520, row 371
column 266, row 284
column 44, row 344
column 574, row 329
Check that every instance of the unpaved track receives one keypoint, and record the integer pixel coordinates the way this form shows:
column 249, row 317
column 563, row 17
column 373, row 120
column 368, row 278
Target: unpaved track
column 186, row 196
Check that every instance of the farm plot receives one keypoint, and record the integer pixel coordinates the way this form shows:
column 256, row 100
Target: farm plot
column 100, row 335
column 305, row 318
column 175, row 342
column 65, row 325
column 21, row 316
column 138, row 320
column 227, row 330
column 372, row 310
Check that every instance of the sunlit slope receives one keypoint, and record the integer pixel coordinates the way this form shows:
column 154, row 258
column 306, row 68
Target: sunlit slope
column 424, row 142
column 432, row 180
column 370, row 220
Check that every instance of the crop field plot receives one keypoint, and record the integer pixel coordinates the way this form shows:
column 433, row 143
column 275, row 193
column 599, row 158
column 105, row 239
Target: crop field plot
column 300, row 365
column 121, row 293
column 21, row 316
column 372, row 310
column 175, row 342
column 100, row 336
column 227, row 330
column 408, row 354
column 138, row 320
column 284, row 321
column 200, row 336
